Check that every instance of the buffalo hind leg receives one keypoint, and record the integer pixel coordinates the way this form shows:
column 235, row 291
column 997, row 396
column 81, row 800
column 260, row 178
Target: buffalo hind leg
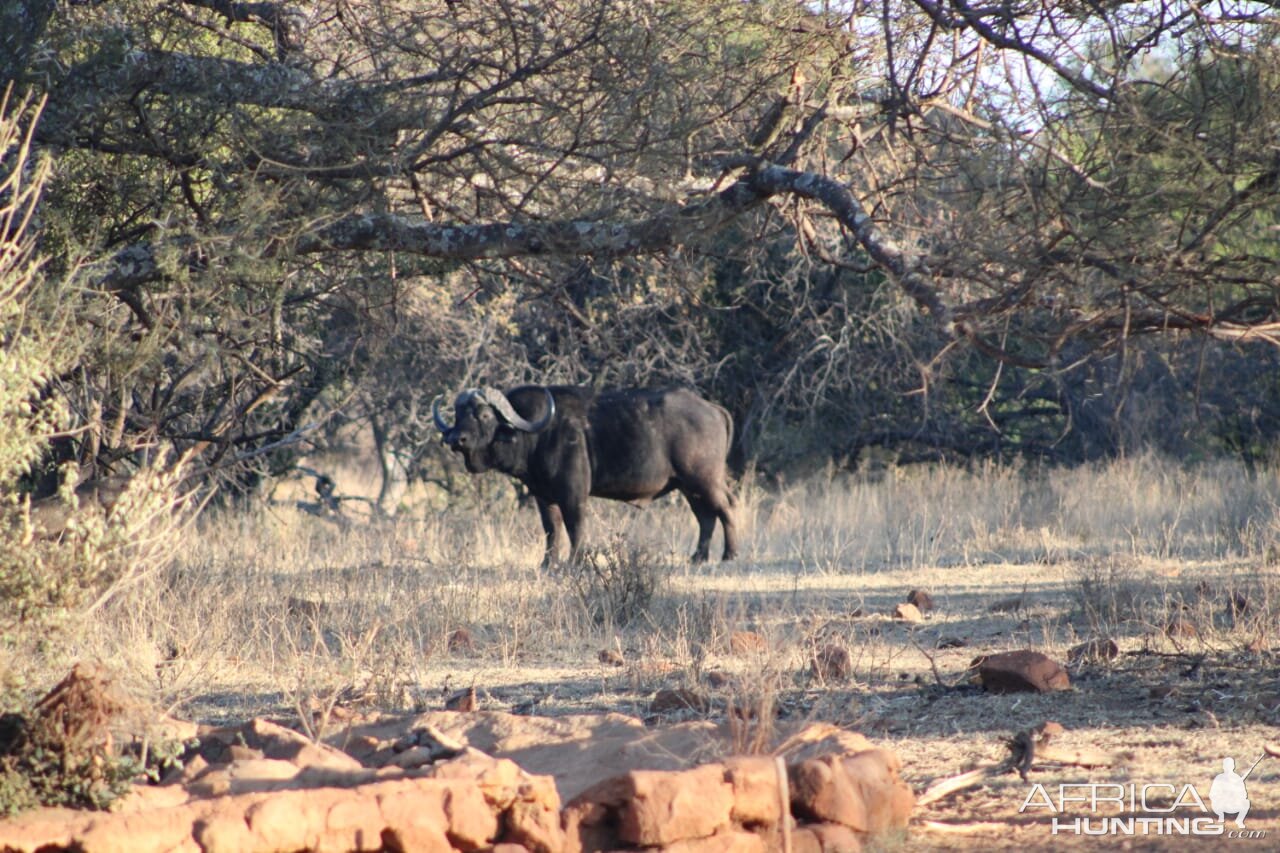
column 721, row 505
column 706, row 515
column 552, row 522
column 724, row 508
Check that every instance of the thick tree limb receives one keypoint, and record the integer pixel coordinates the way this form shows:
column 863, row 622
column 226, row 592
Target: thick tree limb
column 383, row 232
column 675, row 226
column 94, row 84
column 285, row 22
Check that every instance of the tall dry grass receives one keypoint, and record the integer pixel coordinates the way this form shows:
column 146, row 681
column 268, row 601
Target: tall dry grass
column 275, row 608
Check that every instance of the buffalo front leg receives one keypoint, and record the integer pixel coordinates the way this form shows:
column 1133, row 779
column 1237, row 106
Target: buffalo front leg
column 574, row 523
column 552, row 523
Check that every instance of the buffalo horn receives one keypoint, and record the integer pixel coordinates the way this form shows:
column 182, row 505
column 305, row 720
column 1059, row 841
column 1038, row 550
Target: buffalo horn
column 503, row 406
column 436, row 416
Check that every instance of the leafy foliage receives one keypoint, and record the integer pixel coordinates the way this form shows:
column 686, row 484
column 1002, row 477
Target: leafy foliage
column 63, row 754
column 937, row 229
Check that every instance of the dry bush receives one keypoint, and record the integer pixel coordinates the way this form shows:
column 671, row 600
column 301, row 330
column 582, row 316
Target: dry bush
column 276, row 609
column 66, row 558
column 1109, row 597
column 617, row 583
column 62, row 753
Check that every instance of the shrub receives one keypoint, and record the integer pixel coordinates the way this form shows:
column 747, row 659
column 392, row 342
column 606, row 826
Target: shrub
column 63, row 754
column 617, row 583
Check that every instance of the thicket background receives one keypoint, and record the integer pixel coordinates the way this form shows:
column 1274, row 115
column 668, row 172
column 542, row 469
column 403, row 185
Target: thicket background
column 895, row 231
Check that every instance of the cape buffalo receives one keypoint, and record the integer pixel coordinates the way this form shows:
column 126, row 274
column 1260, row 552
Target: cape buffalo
column 565, row 443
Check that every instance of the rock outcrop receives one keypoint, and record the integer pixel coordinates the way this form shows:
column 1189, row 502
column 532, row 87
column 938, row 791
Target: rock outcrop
column 421, row 784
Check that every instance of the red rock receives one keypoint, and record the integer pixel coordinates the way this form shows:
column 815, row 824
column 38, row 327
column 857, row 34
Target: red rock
column 731, row 841
column 533, row 818
column 667, row 806
column 472, row 824
column 747, row 642
column 672, row 699
column 754, row 781
column 590, row 820
column 276, row 741
column 236, row 752
column 460, row 641
column 1022, row 671
column 717, row 679
column 1094, row 651
column 414, row 822
column 476, row 802
column 832, row 662
column 825, row 838
column 821, row 791
column 647, row 808
column 922, row 600
column 862, row 792
column 242, row 777
column 876, row 777
column 907, row 612
column 464, row 701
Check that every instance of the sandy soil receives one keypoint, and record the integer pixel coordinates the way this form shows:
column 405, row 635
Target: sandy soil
column 1165, row 712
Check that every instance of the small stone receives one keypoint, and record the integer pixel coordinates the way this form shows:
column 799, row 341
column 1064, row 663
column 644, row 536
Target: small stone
column 673, row 699
column 1022, row 671
column 717, row 679
column 745, row 642
column 461, row 641
column 1094, row 651
column 1007, row 605
column 907, row 612
column 1048, row 730
column 921, row 599
column 832, row 662
column 464, row 700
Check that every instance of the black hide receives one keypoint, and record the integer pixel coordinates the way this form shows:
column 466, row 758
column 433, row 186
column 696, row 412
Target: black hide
column 631, row 444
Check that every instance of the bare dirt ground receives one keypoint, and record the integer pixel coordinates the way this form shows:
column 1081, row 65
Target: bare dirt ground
column 316, row 621
column 1167, row 712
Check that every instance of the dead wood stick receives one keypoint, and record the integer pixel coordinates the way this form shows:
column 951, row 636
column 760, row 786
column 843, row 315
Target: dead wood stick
column 1025, row 751
column 784, row 800
column 1075, row 757
column 947, row 787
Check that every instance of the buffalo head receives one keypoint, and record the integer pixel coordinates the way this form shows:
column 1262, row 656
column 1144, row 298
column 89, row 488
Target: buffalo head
column 485, row 425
